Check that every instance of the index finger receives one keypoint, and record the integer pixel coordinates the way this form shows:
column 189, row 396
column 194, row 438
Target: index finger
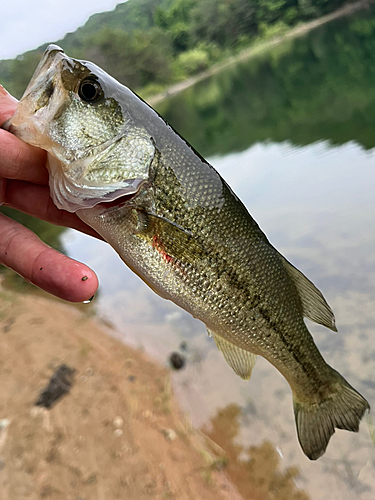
column 18, row 160
column 23, row 251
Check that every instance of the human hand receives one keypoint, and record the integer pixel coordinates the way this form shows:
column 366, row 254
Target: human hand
column 24, row 186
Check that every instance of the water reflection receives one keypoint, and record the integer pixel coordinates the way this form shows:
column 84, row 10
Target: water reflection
column 255, row 470
column 319, row 87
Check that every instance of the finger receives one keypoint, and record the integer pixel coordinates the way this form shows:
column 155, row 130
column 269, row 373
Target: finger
column 25, row 253
column 18, row 160
column 36, row 201
column 8, row 105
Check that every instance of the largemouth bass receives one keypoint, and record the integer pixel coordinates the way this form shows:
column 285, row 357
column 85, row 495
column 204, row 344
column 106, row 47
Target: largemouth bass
column 177, row 224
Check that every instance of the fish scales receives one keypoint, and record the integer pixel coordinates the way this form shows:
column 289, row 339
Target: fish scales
column 236, row 247
column 178, row 225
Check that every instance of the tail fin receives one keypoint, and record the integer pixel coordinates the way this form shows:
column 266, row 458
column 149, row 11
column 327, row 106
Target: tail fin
column 316, row 422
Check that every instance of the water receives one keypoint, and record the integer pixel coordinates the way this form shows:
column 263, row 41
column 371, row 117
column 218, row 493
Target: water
column 293, row 133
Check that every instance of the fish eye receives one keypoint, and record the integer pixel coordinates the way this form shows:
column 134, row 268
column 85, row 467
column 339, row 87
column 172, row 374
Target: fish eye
column 89, row 90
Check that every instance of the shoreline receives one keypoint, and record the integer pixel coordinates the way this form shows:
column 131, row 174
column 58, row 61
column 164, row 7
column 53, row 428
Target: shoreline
column 117, row 433
column 123, row 397
column 259, row 48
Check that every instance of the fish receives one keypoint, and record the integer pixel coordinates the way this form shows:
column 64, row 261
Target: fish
column 177, row 224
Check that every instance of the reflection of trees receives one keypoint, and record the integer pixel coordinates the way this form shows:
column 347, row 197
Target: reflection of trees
column 258, row 475
column 318, row 87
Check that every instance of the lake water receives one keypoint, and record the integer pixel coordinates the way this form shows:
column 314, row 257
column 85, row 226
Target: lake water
column 293, row 133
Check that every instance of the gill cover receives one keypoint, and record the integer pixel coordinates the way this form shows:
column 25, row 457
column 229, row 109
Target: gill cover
column 77, row 113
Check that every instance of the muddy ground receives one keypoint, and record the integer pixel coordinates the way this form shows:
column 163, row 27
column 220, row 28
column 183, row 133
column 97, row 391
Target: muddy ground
column 118, row 433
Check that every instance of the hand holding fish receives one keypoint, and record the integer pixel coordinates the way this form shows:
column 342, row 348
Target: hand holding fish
column 24, row 186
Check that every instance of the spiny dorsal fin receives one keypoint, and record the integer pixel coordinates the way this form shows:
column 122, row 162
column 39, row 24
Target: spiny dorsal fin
column 240, row 360
column 314, row 304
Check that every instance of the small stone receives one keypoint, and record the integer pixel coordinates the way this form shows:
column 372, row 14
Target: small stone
column 118, row 432
column 177, row 360
column 4, row 423
column 147, row 414
column 169, row 434
column 58, row 385
column 118, row 422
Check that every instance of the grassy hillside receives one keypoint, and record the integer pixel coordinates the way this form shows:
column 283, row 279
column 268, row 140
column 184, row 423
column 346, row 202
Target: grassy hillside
column 148, row 44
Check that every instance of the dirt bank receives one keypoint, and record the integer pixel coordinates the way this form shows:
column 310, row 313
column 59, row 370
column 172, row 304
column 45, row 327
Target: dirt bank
column 118, row 433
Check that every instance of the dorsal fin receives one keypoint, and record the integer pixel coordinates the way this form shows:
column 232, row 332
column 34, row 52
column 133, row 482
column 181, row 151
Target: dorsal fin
column 314, row 304
column 240, row 360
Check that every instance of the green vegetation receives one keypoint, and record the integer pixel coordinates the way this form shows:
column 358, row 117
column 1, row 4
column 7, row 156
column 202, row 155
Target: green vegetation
column 148, row 44
column 317, row 87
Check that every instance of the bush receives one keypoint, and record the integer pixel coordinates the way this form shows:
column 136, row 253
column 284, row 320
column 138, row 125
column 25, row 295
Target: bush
column 193, row 61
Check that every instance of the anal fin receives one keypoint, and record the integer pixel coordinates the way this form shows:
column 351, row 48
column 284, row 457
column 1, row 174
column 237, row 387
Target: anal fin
column 241, row 361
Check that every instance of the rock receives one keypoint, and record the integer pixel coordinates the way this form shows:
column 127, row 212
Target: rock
column 59, row 385
column 118, row 422
column 177, row 360
column 169, row 434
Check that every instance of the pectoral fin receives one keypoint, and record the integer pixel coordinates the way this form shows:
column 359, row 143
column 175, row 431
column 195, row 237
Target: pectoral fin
column 314, row 304
column 241, row 361
column 172, row 241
